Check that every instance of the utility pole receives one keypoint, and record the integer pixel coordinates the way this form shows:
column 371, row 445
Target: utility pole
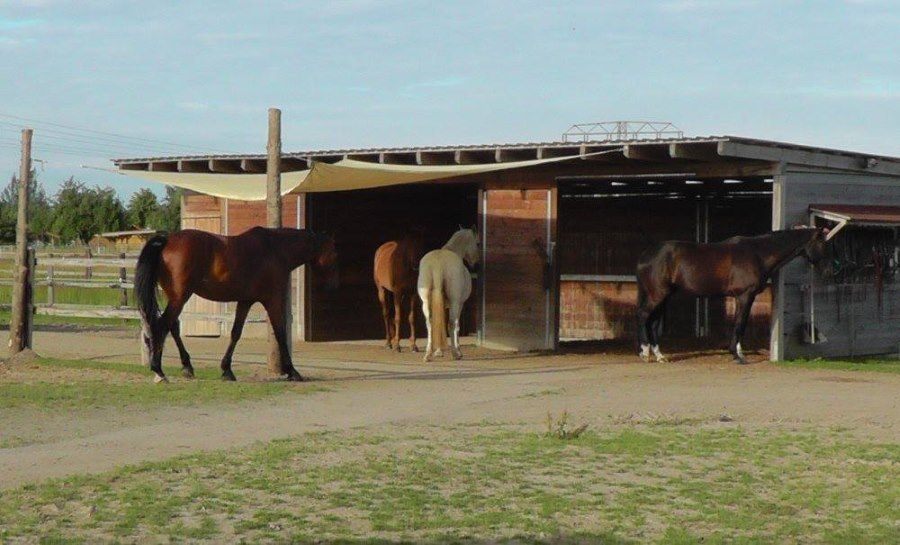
column 273, row 219
column 22, row 307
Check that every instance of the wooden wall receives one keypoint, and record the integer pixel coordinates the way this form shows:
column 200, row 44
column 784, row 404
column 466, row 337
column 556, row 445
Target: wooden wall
column 519, row 278
column 849, row 315
column 205, row 213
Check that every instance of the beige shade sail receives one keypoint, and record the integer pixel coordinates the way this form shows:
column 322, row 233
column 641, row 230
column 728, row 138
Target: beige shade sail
column 242, row 187
column 345, row 175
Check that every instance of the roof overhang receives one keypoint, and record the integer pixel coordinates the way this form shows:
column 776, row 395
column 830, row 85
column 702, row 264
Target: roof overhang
column 670, row 153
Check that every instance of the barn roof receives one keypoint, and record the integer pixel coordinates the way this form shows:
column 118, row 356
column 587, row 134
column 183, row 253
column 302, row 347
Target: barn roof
column 674, row 150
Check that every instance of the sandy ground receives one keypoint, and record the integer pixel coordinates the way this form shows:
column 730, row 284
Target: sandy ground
column 370, row 386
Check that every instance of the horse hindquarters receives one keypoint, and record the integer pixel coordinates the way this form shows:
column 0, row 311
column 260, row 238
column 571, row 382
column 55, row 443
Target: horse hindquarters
column 431, row 292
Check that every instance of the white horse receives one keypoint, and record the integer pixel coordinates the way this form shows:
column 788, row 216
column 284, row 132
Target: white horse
column 445, row 283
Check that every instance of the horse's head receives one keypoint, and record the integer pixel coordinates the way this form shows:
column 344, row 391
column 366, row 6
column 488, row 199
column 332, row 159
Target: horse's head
column 471, row 255
column 814, row 250
column 325, row 262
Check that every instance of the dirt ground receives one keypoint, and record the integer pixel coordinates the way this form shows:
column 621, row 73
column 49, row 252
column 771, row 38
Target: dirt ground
column 368, row 386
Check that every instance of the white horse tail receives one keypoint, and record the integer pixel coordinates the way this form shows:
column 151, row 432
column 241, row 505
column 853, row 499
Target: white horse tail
column 438, row 322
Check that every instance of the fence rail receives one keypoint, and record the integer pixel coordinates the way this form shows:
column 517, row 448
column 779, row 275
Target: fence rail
column 81, row 273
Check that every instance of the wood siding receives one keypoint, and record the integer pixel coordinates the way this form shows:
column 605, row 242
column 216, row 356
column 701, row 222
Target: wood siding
column 871, row 331
column 202, row 212
column 519, row 284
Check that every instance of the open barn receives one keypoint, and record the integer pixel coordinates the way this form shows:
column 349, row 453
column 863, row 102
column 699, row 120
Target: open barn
column 562, row 225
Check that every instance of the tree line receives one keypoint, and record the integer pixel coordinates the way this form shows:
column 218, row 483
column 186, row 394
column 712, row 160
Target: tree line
column 78, row 212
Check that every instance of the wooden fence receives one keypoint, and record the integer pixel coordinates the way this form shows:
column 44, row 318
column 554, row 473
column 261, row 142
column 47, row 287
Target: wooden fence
column 91, row 276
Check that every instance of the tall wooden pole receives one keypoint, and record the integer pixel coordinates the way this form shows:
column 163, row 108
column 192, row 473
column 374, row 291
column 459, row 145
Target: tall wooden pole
column 19, row 334
column 273, row 219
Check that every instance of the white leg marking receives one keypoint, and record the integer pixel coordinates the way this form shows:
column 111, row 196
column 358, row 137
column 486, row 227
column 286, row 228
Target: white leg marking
column 645, row 352
column 660, row 357
column 740, row 351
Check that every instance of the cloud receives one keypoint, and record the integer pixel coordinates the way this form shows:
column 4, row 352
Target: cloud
column 193, row 106
column 8, row 23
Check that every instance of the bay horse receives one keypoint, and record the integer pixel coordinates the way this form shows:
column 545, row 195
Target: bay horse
column 253, row 267
column 394, row 271
column 445, row 283
column 739, row 267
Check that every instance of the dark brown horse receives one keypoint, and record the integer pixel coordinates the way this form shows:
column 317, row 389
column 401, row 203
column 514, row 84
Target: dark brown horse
column 739, row 267
column 253, row 267
column 395, row 271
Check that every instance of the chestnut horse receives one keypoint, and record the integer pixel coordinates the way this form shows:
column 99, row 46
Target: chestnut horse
column 395, row 271
column 739, row 267
column 253, row 267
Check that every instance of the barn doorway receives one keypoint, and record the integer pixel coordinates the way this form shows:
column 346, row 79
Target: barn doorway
column 605, row 225
column 363, row 220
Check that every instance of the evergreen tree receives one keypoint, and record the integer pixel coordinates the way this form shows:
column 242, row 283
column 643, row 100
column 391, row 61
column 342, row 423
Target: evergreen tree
column 40, row 210
column 143, row 209
column 82, row 212
column 168, row 216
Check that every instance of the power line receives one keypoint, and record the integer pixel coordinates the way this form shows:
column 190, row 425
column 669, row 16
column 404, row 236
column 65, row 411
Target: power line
column 117, row 135
column 84, row 138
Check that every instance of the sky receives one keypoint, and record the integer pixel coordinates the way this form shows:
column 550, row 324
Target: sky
column 132, row 79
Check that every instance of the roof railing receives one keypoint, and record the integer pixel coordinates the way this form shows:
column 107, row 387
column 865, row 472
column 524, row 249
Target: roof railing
column 608, row 131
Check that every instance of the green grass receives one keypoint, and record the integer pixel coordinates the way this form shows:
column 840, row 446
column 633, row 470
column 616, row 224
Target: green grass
column 70, row 295
column 881, row 364
column 478, row 484
column 47, row 320
column 133, row 389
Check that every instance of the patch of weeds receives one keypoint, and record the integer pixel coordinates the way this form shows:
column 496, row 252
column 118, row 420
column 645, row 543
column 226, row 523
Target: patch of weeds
column 560, row 428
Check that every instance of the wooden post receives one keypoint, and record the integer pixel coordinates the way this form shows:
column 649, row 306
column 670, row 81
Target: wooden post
column 123, row 277
column 273, row 219
column 19, row 335
column 51, row 291
column 88, row 270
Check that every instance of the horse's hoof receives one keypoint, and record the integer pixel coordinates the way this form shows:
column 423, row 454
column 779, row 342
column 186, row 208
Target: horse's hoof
column 388, row 346
column 741, row 361
column 159, row 379
column 295, row 377
column 414, row 348
column 187, row 372
column 427, row 358
column 645, row 358
column 662, row 359
column 228, row 376
column 397, row 349
column 438, row 353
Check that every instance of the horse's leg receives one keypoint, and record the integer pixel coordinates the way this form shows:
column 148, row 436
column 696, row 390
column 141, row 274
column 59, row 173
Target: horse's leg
column 385, row 315
column 643, row 318
column 398, row 315
column 653, row 327
column 425, row 296
column 164, row 326
column 412, row 321
column 240, row 316
column 275, row 310
column 744, row 302
column 455, row 311
column 186, row 368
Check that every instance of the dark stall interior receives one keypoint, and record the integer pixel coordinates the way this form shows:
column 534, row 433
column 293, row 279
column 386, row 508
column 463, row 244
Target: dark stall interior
column 604, row 226
column 363, row 220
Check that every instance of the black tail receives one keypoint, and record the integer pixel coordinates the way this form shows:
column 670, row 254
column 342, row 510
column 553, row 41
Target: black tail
column 145, row 276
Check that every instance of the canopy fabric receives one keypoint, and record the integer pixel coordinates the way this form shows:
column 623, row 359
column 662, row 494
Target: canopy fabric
column 345, row 175
column 242, row 187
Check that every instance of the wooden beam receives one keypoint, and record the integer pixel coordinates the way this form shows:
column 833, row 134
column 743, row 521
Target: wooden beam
column 163, row 166
column 472, row 157
column 225, row 166
column 22, row 301
column 546, row 152
column 253, row 165
column 616, row 156
column 647, row 152
column 435, row 158
column 193, row 166
column 502, row 155
column 394, row 158
column 273, row 220
column 699, row 151
column 289, row 164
